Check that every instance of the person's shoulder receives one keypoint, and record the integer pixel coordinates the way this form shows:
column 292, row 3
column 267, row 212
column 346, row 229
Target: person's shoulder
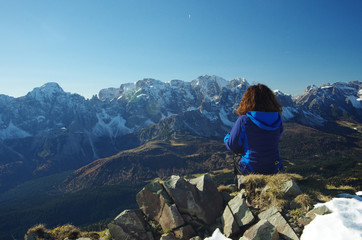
column 243, row 119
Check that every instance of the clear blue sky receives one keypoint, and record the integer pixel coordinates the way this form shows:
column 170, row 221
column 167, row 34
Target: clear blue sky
column 89, row 45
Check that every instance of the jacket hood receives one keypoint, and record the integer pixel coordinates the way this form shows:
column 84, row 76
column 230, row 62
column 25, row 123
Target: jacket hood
column 265, row 120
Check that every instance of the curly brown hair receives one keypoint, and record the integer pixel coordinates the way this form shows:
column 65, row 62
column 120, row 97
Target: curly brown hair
column 259, row 98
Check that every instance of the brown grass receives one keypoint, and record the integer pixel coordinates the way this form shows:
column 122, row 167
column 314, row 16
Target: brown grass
column 264, row 191
column 39, row 229
column 67, row 231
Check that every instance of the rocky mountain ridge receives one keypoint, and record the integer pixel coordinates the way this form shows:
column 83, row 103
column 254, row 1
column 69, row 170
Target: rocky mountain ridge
column 133, row 106
column 49, row 130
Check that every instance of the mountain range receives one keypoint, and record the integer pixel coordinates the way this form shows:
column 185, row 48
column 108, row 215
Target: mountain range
column 51, row 131
column 64, row 158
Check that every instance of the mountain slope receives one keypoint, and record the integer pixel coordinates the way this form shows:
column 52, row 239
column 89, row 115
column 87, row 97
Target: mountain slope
column 151, row 160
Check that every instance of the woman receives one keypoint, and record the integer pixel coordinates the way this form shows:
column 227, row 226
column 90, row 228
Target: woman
column 255, row 134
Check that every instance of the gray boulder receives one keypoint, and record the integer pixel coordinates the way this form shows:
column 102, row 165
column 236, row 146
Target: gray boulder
column 320, row 211
column 171, row 217
column 236, row 215
column 230, row 226
column 241, row 210
column 151, row 200
column 129, row 225
column 291, row 188
column 168, row 236
column 196, row 238
column 241, row 181
column 185, row 232
column 155, row 203
column 278, row 221
column 198, row 197
column 263, row 230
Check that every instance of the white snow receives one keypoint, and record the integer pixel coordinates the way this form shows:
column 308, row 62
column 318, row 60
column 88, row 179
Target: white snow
column 314, row 118
column 288, row 113
column 109, row 94
column 46, row 91
column 191, row 109
column 40, row 118
column 344, row 223
column 217, row 235
column 110, row 126
column 211, row 116
column 356, row 102
column 12, row 131
column 224, row 118
column 278, row 92
column 205, row 84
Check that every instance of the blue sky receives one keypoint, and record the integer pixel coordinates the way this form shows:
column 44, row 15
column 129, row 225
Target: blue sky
column 89, row 45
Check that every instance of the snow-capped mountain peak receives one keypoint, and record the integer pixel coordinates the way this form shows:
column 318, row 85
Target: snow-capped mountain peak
column 46, row 91
column 50, row 88
column 204, row 81
column 209, row 86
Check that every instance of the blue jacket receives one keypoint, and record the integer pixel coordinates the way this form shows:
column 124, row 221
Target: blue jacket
column 256, row 136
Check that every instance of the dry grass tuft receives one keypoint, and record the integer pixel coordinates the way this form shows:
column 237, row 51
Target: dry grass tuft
column 264, row 191
column 39, row 229
column 67, row 231
column 227, row 189
column 303, row 201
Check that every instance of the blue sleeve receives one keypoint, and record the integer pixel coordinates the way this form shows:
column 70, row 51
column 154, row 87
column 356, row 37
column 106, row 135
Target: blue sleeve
column 233, row 140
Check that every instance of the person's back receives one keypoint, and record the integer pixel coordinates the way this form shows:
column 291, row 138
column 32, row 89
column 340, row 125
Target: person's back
column 256, row 133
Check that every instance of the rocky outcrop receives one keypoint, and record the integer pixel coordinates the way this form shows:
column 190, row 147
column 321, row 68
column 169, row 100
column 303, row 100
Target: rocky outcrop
column 236, row 215
column 179, row 208
column 195, row 209
column 131, row 225
column 182, row 206
column 263, row 230
column 274, row 217
column 291, row 188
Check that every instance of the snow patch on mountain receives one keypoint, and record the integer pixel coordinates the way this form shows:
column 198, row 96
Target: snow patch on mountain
column 209, row 86
column 12, row 131
column 224, row 118
column 191, row 109
column 314, row 119
column 110, row 126
column 288, row 113
column 109, row 94
column 356, row 102
column 45, row 92
column 210, row 115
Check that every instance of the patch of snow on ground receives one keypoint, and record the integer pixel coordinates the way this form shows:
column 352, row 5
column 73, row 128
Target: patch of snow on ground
column 344, row 223
column 217, row 235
